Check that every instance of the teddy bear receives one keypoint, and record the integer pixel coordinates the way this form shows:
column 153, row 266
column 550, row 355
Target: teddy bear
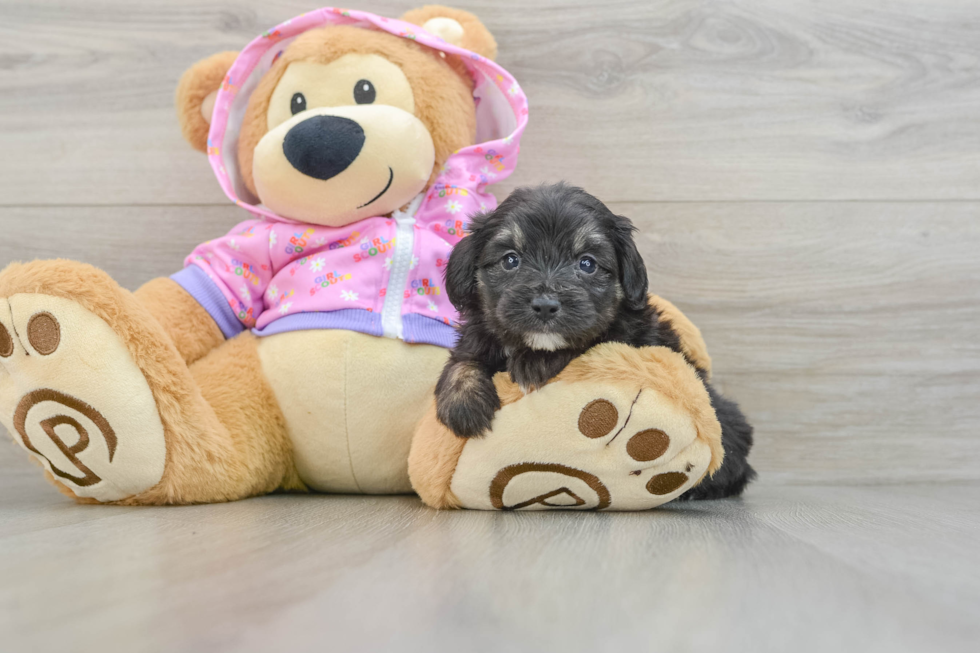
column 299, row 352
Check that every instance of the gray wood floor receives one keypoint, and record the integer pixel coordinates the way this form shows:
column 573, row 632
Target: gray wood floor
column 787, row 568
column 806, row 178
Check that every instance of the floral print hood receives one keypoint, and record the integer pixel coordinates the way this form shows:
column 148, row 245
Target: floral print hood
column 381, row 275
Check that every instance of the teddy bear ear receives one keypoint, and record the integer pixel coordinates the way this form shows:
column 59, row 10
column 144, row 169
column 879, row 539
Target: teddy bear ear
column 461, row 28
column 196, row 92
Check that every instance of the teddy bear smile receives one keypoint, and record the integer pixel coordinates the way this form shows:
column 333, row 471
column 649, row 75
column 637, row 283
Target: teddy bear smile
column 391, row 177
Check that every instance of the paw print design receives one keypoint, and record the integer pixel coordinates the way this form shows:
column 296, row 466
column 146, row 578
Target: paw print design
column 598, row 419
column 583, row 446
column 95, row 428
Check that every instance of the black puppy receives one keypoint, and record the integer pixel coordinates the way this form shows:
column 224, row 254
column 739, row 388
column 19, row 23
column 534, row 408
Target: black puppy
column 549, row 274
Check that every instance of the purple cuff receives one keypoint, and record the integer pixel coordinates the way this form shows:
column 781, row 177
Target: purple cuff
column 425, row 330
column 196, row 282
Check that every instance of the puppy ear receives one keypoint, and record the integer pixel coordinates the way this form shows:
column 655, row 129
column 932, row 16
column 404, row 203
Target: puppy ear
column 632, row 271
column 196, row 92
column 460, row 28
column 461, row 272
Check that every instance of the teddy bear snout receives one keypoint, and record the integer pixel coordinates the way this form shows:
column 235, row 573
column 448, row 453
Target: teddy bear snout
column 323, row 146
column 335, row 165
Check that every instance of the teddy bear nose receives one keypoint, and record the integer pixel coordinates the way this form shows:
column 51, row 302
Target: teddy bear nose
column 323, row 146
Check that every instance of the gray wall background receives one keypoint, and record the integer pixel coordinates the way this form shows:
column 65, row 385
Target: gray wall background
column 804, row 175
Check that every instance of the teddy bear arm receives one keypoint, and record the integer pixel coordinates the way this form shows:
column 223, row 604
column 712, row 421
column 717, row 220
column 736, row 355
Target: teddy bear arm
column 190, row 327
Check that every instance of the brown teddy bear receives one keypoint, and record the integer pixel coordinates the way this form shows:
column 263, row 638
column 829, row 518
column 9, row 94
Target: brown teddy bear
column 299, row 352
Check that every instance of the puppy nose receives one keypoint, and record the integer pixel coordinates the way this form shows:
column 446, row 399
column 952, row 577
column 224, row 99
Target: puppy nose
column 545, row 308
column 322, row 147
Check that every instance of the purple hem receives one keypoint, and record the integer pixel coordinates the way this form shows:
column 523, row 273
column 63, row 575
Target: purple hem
column 416, row 329
column 425, row 330
column 197, row 283
column 352, row 319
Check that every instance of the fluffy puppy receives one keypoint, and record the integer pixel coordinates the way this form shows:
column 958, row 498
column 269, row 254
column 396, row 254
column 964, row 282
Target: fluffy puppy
column 549, row 274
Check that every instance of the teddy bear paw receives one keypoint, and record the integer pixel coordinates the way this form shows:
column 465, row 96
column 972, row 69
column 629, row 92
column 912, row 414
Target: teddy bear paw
column 73, row 397
column 583, row 446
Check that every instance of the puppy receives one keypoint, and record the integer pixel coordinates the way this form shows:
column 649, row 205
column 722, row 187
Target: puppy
column 549, row 274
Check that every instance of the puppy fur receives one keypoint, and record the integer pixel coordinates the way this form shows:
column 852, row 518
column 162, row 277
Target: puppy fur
column 549, row 274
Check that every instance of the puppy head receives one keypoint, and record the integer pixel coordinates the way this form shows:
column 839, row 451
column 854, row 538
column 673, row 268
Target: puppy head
column 549, row 269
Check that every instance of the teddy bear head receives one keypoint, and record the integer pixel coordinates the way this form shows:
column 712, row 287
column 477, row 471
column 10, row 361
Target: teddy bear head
column 347, row 123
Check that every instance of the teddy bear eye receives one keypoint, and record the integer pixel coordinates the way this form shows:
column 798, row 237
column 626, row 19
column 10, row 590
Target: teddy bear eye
column 364, row 92
column 298, row 103
column 587, row 265
column 510, row 261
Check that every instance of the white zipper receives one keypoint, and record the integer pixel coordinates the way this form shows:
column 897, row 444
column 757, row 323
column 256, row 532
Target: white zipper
column 401, row 263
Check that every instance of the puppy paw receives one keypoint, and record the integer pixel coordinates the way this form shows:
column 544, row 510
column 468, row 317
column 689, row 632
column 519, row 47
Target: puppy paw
column 466, row 400
column 468, row 417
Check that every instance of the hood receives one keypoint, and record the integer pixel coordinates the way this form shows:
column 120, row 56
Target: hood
column 501, row 108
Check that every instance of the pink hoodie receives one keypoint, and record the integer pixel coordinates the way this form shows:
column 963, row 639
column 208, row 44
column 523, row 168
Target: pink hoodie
column 381, row 275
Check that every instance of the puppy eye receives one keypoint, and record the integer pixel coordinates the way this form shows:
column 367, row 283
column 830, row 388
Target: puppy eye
column 510, row 261
column 298, row 103
column 364, row 92
column 587, row 265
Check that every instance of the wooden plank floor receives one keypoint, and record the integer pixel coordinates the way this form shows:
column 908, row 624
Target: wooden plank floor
column 799, row 568
column 806, row 179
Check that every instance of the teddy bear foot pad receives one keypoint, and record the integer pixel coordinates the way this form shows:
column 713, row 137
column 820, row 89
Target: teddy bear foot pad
column 72, row 395
column 615, row 447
